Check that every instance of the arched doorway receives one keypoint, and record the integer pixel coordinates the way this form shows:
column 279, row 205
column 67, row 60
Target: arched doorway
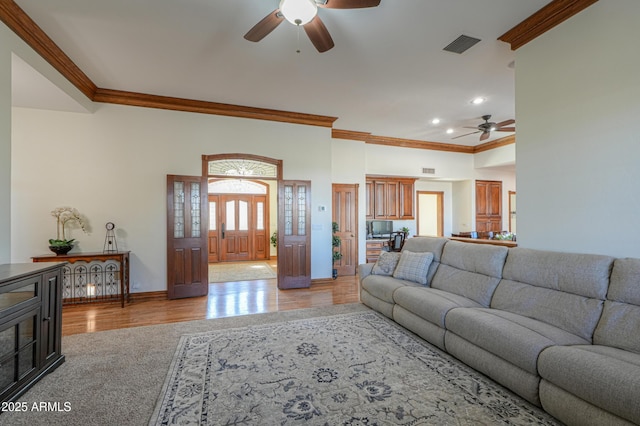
column 239, row 201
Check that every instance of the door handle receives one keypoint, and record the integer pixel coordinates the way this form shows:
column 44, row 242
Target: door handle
column 222, row 227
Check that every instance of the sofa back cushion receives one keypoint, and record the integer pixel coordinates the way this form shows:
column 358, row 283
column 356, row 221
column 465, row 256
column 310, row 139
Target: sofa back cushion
column 470, row 270
column 620, row 319
column 565, row 290
column 427, row 244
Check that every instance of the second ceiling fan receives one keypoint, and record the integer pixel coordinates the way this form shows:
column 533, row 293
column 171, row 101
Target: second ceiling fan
column 305, row 13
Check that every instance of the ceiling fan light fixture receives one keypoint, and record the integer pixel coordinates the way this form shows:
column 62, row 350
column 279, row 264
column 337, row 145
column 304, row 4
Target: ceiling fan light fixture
column 298, row 12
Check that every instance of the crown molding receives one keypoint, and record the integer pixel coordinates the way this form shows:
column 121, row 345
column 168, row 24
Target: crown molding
column 411, row 143
column 204, row 107
column 507, row 140
column 543, row 20
column 20, row 23
column 350, row 135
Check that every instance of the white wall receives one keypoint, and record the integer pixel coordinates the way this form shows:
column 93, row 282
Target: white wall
column 578, row 149
column 111, row 166
column 5, row 150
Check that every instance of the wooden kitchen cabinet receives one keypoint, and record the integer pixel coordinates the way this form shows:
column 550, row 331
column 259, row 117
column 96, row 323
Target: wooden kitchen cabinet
column 389, row 198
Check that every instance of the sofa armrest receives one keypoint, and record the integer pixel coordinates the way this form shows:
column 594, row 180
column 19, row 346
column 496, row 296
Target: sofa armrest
column 364, row 270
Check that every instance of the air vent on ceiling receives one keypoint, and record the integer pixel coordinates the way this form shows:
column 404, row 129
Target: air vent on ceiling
column 461, row 44
column 428, row 171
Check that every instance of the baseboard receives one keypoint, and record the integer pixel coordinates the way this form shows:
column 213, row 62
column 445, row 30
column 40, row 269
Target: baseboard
column 147, row 296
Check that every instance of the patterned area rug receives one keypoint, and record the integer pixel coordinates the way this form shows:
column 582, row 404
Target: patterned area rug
column 351, row 369
column 240, row 271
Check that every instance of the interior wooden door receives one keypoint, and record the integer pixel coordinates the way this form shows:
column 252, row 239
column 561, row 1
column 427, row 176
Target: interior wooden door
column 187, row 214
column 235, row 233
column 488, row 206
column 294, row 234
column 345, row 214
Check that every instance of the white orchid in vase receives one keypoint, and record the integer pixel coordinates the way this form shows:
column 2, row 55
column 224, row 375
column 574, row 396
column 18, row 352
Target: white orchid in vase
column 64, row 216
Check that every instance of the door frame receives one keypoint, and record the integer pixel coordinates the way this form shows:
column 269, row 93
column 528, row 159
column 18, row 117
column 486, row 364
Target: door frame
column 440, row 211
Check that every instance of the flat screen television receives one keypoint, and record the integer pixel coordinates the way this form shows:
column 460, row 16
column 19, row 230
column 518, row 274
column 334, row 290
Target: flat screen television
column 380, row 228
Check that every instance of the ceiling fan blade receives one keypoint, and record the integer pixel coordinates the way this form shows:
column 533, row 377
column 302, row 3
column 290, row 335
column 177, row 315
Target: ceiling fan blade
column 505, row 123
column 348, row 4
column 264, row 27
column 467, row 134
column 506, row 129
column 484, row 135
column 319, row 35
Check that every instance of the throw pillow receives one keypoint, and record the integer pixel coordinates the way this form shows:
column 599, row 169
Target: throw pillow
column 414, row 266
column 386, row 263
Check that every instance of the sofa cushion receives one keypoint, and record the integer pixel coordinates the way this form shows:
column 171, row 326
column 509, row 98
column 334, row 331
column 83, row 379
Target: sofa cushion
column 576, row 314
column 565, row 290
column 619, row 326
column 386, row 263
column 383, row 287
column 470, row 270
column 620, row 320
column 514, row 338
column 413, row 266
column 582, row 274
column 424, row 244
column 625, row 281
column 606, row 377
column 429, row 303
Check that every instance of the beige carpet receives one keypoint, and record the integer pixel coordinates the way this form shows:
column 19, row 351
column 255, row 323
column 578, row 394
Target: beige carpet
column 240, row 271
column 115, row 377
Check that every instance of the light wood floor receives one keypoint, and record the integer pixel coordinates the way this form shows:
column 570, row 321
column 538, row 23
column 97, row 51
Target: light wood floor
column 223, row 300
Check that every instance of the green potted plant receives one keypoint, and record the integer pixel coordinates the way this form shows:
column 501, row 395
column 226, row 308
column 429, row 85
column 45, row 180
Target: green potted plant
column 64, row 216
column 405, row 230
column 274, row 239
column 335, row 243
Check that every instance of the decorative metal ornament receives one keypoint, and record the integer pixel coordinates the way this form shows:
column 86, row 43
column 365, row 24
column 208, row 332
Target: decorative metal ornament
column 110, row 243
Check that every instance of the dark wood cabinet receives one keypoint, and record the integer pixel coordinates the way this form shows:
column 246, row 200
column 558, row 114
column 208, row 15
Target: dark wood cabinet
column 488, row 206
column 389, row 198
column 30, row 325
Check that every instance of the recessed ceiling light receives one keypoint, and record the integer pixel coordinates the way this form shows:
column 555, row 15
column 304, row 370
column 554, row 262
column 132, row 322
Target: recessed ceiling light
column 449, row 131
column 435, row 121
column 478, row 101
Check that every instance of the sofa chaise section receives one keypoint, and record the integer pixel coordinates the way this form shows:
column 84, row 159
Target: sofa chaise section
column 544, row 299
column 467, row 277
column 600, row 383
column 376, row 291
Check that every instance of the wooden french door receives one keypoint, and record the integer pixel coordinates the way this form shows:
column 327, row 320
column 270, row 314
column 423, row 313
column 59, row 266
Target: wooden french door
column 187, row 212
column 345, row 214
column 294, row 234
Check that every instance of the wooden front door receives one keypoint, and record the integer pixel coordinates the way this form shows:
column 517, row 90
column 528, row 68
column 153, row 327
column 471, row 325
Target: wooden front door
column 187, row 214
column 239, row 230
column 235, row 238
column 488, row 206
column 294, row 234
column 345, row 214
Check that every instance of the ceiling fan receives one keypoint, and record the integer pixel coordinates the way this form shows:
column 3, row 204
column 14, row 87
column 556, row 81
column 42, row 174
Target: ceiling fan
column 487, row 127
column 305, row 13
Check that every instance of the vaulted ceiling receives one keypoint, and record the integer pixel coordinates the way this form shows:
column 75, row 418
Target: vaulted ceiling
column 387, row 75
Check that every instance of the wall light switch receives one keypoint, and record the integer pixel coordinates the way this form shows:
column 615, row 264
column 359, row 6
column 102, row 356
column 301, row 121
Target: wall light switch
column 322, row 208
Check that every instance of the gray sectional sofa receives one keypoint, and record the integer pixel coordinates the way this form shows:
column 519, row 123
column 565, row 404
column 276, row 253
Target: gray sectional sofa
column 562, row 330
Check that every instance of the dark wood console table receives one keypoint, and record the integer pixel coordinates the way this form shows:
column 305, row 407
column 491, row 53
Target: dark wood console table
column 93, row 277
column 30, row 325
